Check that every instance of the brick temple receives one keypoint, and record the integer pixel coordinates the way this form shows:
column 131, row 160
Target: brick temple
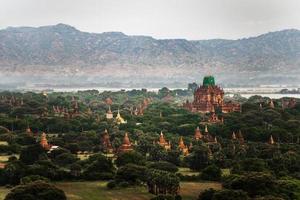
column 208, row 97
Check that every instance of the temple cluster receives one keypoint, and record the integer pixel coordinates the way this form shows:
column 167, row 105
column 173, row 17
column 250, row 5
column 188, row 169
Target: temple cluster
column 209, row 97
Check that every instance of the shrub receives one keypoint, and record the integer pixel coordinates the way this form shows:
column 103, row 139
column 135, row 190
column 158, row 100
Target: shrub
column 207, row 194
column 111, row 184
column 36, row 190
column 123, row 184
column 130, row 157
column 211, row 173
column 33, row 178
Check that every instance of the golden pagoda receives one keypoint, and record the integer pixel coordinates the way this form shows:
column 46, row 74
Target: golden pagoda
column 44, row 141
column 109, row 114
column 198, row 135
column 126, row 146
column 162, row 142
column 183, row 148
column 119, row 119
column 271, row 140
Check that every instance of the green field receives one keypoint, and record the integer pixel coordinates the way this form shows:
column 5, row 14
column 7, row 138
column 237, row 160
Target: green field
column 98, row 191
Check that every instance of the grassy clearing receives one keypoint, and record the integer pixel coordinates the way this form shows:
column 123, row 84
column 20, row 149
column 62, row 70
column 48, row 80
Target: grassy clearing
column 187, row 172
column 3, row 192
column 4, row 158
column 97, row 191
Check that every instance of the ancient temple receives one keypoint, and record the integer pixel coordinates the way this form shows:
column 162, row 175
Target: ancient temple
column 107, row 146
column 198, row 134
column 238, row 137
column 109, row 114
column 44, row 141
column 183, row 148
column 291, row 103
column 120, row 119
column 126, row 145
column 207, row 137
column 208, row 97
column 214, row 118
column 162, row 142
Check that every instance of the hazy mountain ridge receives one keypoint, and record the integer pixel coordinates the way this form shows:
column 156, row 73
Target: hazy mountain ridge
column 62, row 48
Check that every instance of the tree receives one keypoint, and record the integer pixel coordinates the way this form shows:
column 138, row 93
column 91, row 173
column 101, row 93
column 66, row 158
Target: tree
column 211, row 173
column 130, row 157
column 163, row 165
column 198, row 159
column 36, row 190
column 65, row 159
column 131, row 173
column 33, row 178
column 162, row 182
column 98, row 167
column 230, row 195
column 31, row 154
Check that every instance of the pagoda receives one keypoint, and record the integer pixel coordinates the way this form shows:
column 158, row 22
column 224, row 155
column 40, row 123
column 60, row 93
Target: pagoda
column 209, row 96
column 44, row 141
column 198, row 135
column 271, row 140
column 233, row 136
column 183, row 148
column 106, row 142
column 162, row 142
column 126, row 145
column 207, row 137
column 109, row 114
column 120, row 119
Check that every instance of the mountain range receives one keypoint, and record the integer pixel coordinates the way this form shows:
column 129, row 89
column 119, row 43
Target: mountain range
column 61, row 54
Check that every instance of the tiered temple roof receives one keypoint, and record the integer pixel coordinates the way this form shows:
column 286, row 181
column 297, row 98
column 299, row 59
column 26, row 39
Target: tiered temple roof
column 109, row 114
column 126, row 145
column 183, row 148
column 209, row 96
column 162, row 142
column 198, row 135
column 44, row 141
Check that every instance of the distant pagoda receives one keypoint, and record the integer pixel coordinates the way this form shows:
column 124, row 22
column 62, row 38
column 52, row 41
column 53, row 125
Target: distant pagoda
column 208, row 97
column 107, row 146
column 126, row 145
column 162, row 142
column 183, row 148
column 44, row 141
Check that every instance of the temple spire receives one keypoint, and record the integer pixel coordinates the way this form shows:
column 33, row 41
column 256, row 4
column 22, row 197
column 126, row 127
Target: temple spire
column 271, row 140
column 233, row 136
column 206, row 129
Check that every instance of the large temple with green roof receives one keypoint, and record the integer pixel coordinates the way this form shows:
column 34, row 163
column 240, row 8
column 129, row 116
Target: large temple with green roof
column 208, row 97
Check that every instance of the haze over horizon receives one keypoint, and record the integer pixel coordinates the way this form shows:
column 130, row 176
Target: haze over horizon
column 168, row 19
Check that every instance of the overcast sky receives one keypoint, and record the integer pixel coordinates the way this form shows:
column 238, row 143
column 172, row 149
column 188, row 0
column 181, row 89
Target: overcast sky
column 191, row 19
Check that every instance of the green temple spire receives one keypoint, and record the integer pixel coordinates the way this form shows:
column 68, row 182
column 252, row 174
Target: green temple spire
column 208, row 81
